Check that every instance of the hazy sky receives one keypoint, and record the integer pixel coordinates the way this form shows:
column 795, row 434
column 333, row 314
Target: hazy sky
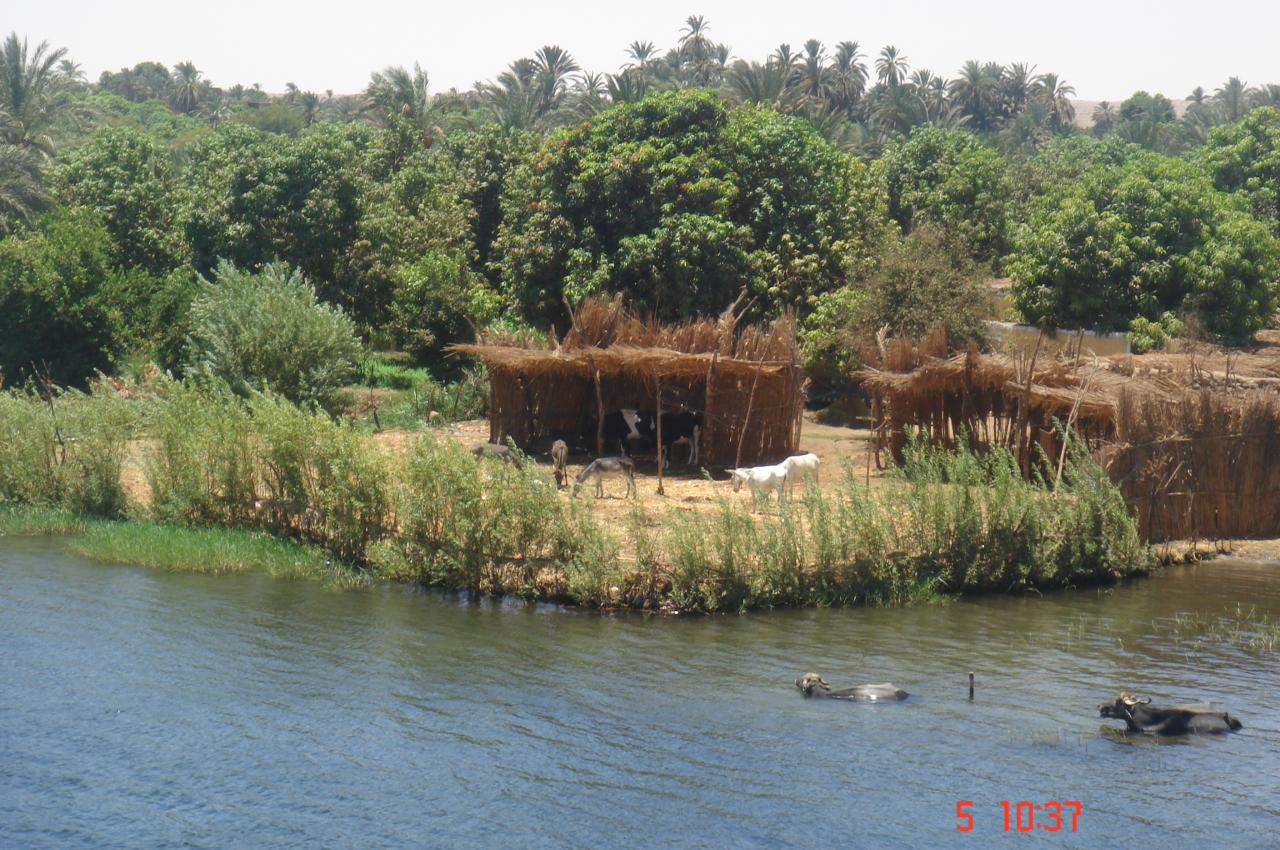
column 1105, row 49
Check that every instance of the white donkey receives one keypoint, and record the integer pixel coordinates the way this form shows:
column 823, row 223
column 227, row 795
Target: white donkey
column 762, row 479
column 804, row 467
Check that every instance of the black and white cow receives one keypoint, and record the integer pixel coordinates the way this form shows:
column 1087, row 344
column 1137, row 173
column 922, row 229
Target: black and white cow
column 682, row 427
column 623, row 426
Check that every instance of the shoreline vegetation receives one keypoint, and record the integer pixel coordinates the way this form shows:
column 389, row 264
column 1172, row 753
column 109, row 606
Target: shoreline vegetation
column 264, row 485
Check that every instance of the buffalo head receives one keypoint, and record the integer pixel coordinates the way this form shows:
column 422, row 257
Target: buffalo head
column 1121, row 708
column 811, row 683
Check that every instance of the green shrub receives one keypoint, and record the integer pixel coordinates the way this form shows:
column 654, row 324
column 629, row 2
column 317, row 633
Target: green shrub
column 268, row 464
column 492, row 527
column 266, row 332
column 915, row 288
column 1146, row 335
column 65, row 451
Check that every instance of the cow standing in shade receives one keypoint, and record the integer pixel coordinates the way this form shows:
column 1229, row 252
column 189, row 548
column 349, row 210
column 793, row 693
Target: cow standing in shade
column 622, row 427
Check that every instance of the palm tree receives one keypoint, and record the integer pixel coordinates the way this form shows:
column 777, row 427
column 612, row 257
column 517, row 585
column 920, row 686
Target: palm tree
column 849, row 76
column 975, row 94
column 1056, row 94
column 814, row 70
column 933, row 91
column 513, row 102
column 589, row 95
column 693, row 37
column 70, row 74
column 834, row 126
column 1232, row 99
column 1017, row 85
column 891, row 66
column 552, row 67
column 627, row 87
column 1198, row 96
column 897, row 109
column 1028, row 130
column 310, row 103
column 291, row 92
column 22, row 193
column 1268, row 95
column 1104, row 118
column 396, row 91
column 189, row 87
column 771, row 85
column 28, row 94
column 641, row 53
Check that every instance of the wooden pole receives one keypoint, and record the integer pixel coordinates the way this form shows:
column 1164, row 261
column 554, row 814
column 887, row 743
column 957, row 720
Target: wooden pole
column 658, row 381
column 708, row 408
column 746, row 420
column 595, row 377
column 1024, row 439
column 971, row 686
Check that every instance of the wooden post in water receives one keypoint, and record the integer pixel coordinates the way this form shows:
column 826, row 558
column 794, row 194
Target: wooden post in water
column 970, row 686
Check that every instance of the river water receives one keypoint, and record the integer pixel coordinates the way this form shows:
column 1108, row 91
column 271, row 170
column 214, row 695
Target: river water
column 145, row 709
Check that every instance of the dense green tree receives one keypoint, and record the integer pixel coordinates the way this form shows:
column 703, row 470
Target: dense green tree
column 252, row 198
column 144, row 81
column 1149, row 236
column 680, row 202
column 1245, row 157
column 127, row 179
column 54, row 317
column 949, row 179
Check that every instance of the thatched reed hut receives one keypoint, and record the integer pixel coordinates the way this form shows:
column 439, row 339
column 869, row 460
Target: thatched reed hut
column 746, row 381
column 1192, row 438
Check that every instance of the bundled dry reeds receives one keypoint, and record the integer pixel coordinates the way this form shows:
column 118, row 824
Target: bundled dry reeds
column 747, row 381
column 1191, row 437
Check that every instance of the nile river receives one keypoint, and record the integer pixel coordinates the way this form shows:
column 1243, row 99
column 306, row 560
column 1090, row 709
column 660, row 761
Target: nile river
column 145, row 709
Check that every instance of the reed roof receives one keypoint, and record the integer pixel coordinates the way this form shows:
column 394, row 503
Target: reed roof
column 605, row 337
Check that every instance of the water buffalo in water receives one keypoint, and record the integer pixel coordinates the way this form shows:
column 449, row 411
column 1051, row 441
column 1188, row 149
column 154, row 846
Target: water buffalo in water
column 1141, row 716
column 812, row 685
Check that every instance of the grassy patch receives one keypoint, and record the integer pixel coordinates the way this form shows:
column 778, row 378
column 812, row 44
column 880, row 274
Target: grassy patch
column 209, row 550
column 30, row 521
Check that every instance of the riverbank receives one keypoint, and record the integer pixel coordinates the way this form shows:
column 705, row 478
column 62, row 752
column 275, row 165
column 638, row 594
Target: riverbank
column 941, row 525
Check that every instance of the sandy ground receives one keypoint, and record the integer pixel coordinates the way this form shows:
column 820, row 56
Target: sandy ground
column 684, row 488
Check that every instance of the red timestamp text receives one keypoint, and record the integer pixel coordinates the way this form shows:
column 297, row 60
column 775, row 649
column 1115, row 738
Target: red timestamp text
column 1026, row 816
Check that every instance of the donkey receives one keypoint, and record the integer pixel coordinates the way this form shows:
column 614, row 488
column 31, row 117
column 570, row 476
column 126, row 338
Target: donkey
column 600, row 467
column 560, row 460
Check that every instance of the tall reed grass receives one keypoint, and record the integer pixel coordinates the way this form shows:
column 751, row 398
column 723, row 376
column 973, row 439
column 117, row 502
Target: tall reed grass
column 945, row 523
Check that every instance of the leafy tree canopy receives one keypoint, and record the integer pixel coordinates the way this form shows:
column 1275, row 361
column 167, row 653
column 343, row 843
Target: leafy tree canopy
column 1139, row 239
column 54, row 317
column 948, row 178
column 256, row 198
column 1245, row 157
column 680, row 201
column 128, row 179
